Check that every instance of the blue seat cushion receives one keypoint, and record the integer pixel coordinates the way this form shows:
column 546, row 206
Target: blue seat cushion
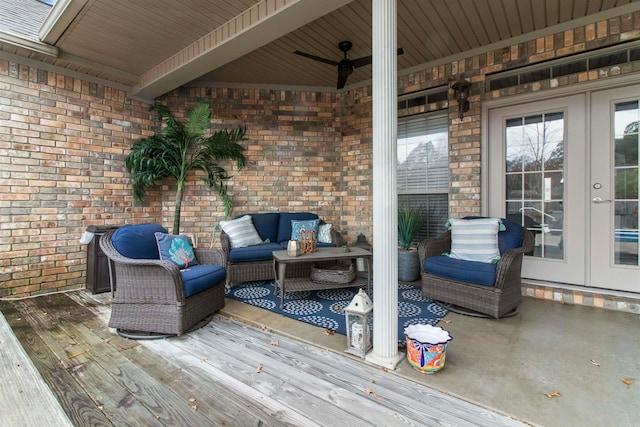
column 481, row 273
column 284, row 224
column 201, row 277
column 266, row 225
column 137, row 241
column 254, row 253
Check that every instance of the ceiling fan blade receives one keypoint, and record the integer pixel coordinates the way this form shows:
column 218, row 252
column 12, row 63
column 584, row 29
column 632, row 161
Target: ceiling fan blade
column 316, row 58
column 342, row 78
column 365, row 60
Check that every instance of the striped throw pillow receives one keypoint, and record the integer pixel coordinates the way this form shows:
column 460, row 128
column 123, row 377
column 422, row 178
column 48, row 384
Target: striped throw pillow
column 241, row 232
column 475, row 239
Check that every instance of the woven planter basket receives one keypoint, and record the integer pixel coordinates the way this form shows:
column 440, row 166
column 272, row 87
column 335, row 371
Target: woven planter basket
column 334, row 273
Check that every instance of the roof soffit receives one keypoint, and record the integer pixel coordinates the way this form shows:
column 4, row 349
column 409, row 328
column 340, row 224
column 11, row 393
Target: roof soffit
column 266, row 21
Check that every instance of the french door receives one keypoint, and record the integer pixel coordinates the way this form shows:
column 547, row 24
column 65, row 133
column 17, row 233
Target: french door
column 567, row 169
column 537, row 155
column 613, row 191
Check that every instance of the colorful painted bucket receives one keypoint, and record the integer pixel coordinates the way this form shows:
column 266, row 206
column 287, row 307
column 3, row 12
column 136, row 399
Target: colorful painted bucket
column 426, row 347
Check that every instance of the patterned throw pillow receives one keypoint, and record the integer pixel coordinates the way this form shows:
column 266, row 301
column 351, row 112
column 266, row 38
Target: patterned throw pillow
column 475, row 239
column 324, row 233
column 241, row 232
column 298, row 226
column 176, row 249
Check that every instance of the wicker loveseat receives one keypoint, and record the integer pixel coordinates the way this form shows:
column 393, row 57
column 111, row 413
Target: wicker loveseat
column 154, row 296
column 255, row 262
column 493, row 289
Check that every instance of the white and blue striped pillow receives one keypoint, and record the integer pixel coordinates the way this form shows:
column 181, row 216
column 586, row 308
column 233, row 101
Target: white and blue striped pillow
column 475, row 239
column 241, row 232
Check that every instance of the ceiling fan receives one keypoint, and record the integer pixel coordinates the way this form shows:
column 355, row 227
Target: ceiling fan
column 345, row 65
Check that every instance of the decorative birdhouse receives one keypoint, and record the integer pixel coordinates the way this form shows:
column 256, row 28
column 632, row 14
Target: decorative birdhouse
column 358, row 320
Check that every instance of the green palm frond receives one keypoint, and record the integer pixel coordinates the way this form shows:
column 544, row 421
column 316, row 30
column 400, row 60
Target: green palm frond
column 199, row 120
column 223, row 145
column 164, row 114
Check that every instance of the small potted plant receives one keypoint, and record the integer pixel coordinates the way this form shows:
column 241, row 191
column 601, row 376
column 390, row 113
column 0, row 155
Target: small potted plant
column 410, row 220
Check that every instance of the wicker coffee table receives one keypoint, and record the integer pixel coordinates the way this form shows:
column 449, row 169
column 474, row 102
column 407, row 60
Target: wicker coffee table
column 295, row 284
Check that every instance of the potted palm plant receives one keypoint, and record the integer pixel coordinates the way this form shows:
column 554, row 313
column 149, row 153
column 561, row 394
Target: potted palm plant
column 180, row 148
column 410, row 220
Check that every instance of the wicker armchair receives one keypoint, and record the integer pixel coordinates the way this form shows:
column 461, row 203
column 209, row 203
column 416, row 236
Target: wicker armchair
column 499, row 300
column 150, row 298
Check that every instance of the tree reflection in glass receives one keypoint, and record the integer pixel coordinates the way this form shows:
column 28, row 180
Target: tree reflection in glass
column 535, row 178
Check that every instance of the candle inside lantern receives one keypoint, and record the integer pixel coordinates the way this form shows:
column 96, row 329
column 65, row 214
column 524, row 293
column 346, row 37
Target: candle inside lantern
column 356, row 335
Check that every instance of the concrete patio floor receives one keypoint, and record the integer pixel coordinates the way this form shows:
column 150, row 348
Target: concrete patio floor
column 582, row 357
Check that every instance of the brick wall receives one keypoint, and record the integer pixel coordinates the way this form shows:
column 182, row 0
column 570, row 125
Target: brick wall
column 356, row 162
column 63, row 142
column 291, row 156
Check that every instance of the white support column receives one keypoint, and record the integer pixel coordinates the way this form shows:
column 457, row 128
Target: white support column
column 385, row 202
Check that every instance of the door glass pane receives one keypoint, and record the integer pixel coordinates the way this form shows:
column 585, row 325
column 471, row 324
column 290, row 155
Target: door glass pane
column 626, row 119
column 535, row 178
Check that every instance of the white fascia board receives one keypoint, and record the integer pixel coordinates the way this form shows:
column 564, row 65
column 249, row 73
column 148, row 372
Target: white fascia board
column 59, row 18
column 31, row 45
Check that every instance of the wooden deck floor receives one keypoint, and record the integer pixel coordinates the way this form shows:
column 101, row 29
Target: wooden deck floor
column 226, row 373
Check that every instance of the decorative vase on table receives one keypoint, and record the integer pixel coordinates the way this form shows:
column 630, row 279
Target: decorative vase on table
column 293, row 248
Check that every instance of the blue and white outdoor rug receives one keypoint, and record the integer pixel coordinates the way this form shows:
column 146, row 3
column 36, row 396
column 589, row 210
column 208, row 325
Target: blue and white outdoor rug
column 324, row 308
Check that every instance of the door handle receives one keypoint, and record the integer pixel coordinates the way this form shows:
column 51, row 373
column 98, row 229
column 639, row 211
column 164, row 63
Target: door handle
column 598, row 200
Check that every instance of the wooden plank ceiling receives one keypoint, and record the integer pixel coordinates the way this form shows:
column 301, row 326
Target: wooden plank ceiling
column 121, row 40
column 428, row 30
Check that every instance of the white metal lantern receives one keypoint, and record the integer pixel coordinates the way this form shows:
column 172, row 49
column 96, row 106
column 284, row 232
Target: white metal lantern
column 358, row 320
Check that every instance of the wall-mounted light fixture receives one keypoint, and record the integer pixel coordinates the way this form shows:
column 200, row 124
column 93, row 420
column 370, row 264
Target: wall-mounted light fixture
column 461, row 94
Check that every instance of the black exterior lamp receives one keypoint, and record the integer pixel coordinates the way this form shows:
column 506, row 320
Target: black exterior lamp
column 461, row 94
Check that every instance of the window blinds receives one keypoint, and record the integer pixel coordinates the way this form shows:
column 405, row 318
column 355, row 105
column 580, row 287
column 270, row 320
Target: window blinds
column 423, row 161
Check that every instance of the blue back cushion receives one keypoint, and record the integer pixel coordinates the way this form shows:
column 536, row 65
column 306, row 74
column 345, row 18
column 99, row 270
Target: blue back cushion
column 509, row 238
column 201, row 277
column 480, row 273
column 138, row 241
column 266, row 225
column 284, row 225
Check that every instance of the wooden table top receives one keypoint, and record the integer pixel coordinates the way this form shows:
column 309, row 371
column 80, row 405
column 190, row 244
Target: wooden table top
column 321, row 254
